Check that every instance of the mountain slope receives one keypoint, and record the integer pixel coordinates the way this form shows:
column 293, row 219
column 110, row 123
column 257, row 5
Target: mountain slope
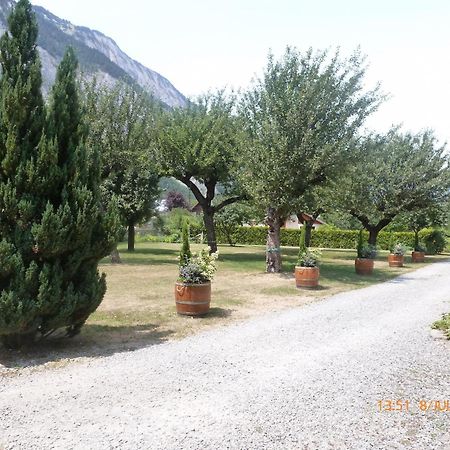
column 98, row 54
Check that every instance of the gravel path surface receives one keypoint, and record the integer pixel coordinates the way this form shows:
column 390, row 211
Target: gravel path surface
column 307, row 378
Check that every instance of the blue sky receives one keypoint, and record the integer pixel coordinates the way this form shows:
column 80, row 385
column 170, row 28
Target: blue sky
column 204, row 44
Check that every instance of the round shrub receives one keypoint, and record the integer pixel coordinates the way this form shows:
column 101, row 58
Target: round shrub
column 435, row 242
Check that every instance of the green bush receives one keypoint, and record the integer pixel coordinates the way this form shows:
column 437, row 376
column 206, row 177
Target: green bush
column 443, row 324
column 325, row 237
column 434, row 240
column 329, row 237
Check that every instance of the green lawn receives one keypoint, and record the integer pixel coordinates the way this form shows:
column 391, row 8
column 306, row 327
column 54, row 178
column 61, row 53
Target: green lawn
column 139, row 310
column 140, row 292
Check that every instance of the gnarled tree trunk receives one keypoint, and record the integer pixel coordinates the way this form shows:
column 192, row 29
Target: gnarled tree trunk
column 131, row 237
column 373, row 235
column 309, row 225
column 208, row 220
column 115, row 257
column 273, row 249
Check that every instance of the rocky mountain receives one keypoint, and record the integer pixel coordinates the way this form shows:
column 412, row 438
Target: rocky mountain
column 98, row 54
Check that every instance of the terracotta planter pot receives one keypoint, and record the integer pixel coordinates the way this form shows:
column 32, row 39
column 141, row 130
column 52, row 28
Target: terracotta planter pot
column 396, row 260
column 192, row 299
column 364, row 266
column 418, row 257
column 307, row 277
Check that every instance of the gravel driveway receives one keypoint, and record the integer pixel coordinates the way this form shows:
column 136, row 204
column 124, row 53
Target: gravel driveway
column 306, row 378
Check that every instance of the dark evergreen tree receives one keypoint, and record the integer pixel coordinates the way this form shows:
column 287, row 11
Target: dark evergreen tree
column 53, row 231
column 302, row 242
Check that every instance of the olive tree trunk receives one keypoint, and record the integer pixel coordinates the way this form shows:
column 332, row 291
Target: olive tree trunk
column 309, row 225
column 373, row 235
column 208, row 220
column 115, row 257
column 131, row 237
column 273, row 249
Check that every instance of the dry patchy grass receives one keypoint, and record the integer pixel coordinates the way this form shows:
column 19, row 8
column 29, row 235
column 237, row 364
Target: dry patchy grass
column 139, row 310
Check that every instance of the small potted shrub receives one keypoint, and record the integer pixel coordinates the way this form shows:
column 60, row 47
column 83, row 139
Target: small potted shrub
column 307, row 271
column 418, row 254
column 196, row 270
column 397, row 255
column 365, row 257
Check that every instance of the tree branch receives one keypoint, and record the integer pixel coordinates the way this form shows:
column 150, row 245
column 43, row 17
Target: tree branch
column 363, row 219
column 384, row 222
column 194, row 189
column 229, row 201
column 210, row 190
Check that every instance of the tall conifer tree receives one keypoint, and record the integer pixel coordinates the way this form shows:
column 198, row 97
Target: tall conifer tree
column 53, row 231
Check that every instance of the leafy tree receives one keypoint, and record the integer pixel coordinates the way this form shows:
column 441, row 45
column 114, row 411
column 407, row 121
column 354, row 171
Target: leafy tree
column 175, row 199
column 122, row 122
column 311, row 205
column 393, row 174
column 53, row 227
column 229, row 219
column 433, row 216
column 301, row 118
column 198, row 145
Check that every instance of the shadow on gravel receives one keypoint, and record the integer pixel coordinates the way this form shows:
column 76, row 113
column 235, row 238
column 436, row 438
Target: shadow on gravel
column 93, row 341
column 403, row 278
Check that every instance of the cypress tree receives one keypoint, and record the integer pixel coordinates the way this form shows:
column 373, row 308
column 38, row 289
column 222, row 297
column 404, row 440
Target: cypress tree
column 53, row 231
column 185, row 253
column 302, row 244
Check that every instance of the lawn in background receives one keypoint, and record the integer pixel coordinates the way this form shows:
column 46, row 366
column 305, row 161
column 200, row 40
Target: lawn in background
column 139, row 303
column 139, row 308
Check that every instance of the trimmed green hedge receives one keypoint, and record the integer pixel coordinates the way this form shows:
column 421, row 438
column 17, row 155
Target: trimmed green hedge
column 334, row 238
column 325, row 237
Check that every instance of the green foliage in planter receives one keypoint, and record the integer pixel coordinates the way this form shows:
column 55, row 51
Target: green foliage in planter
column 398, row 249
column 309, row 258
column 185, row 253
column 363, row 250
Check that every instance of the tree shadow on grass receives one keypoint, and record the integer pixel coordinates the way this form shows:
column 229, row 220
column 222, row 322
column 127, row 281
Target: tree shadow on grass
column 219, row 312
column 93, row 341
column 146, row 257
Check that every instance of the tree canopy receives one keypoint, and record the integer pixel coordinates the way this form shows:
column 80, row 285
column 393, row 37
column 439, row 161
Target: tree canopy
column 199, row 146
column 301, row 117
column 393, row 174
column 122, row 122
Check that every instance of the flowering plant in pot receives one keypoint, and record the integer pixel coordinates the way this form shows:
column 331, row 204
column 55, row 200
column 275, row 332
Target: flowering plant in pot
column 366, row 254
column 307, row 272
column 418, row 254
column 397, row 255
column 196, row 270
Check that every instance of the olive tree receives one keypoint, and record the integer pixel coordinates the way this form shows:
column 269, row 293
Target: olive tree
column 122, row 121
column 393, row 174
column 198, row 145
column 301, row 117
